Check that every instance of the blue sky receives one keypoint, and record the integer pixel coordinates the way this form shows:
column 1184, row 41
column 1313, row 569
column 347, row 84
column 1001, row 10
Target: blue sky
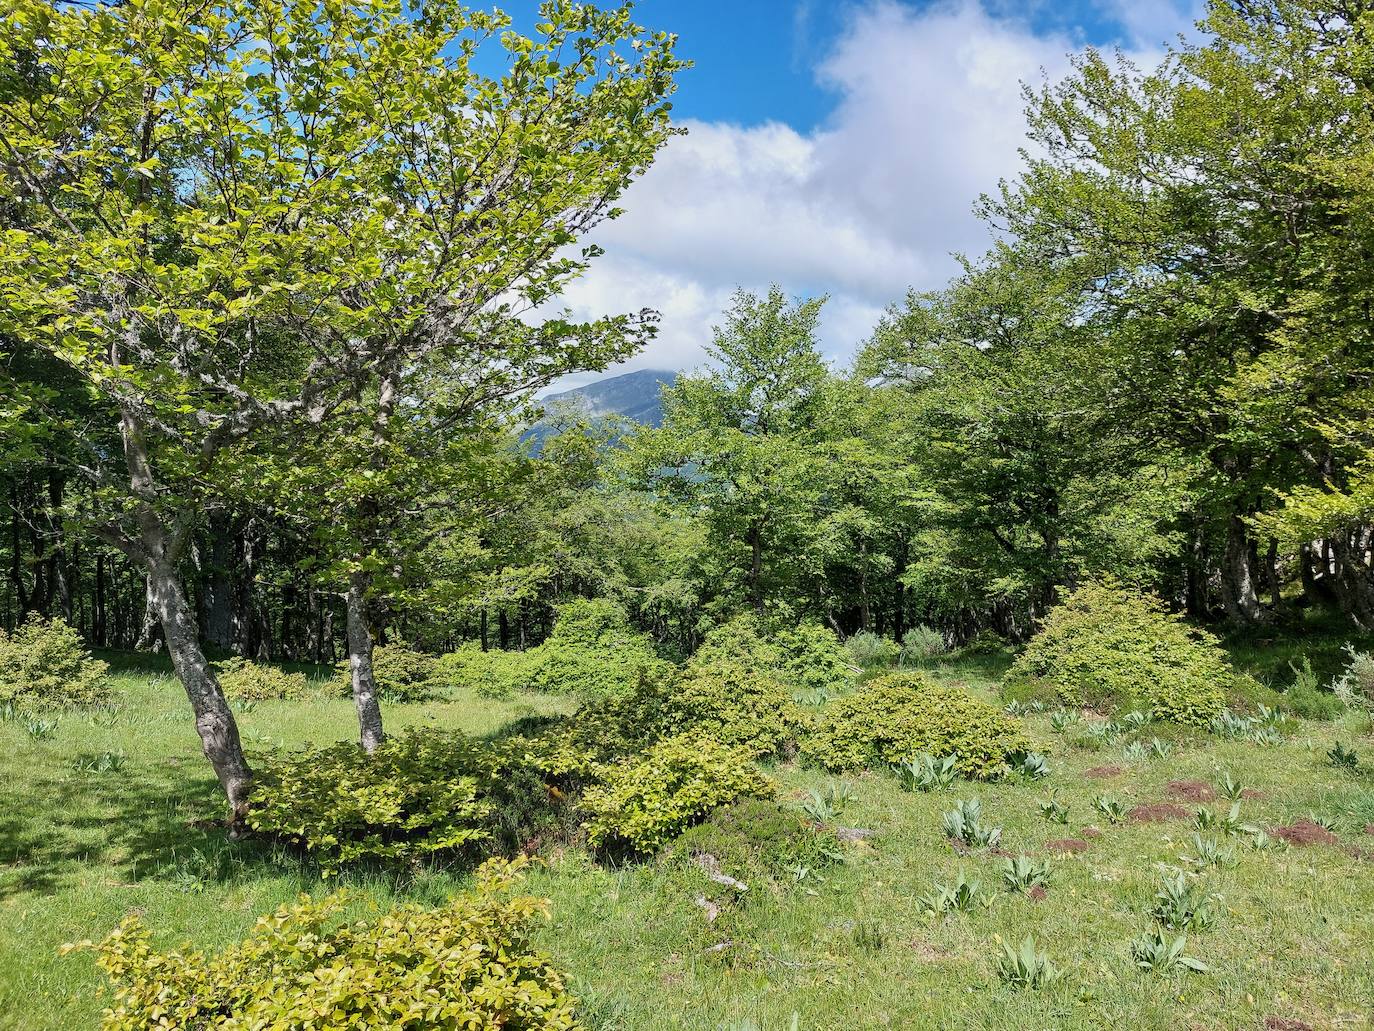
column 835, row 148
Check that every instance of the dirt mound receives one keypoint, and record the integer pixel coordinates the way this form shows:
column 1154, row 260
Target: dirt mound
column 1158, row 812
column 1037, row 892
column 1103, row 772
column 1069, row 846
column 1305, row 832
column 1191, row 790
column 1090, row 832
column 1286, row 1024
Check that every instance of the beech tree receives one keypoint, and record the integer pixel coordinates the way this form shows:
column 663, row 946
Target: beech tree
column 229, row 219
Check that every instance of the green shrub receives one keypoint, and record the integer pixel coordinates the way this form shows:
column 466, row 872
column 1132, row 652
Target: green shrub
column 468, row 963
column 593, row 652
column 401, row 675
column 44, row 665
column 921, row 643
column 758, row 839
column 740, row 640
column 812, row 657
column 491, row 674
column 870, row 651
column 1355, row 686
column 893, row 717
column 421, row 794
column 733, row 703
column 256, row 682
column 650, row 799
column 1112, row 648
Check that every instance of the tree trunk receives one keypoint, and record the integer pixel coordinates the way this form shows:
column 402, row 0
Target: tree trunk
column 360, row 664
column 1238, row 591
column 166, row 597
column 98, row 627
column 148, row 638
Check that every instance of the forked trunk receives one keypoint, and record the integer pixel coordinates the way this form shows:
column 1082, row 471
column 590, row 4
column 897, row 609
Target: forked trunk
column 360, row 664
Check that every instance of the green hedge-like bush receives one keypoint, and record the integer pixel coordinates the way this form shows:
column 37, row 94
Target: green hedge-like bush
column 466, row 964
column 650, row 799
column 255, row 682
column 421, row 794
column 756, row 839
column 491, row 674
column 733, row 703
column 1118, row 649
column 892, row 718
column 812, row 657
column 401, row 675
column 44, row 665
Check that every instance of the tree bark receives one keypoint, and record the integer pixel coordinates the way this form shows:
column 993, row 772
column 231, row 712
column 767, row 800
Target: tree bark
column 1238, row 590
column 360, row 664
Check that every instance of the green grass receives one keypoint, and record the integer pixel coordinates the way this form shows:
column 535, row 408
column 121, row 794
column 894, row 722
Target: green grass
column 79, row 849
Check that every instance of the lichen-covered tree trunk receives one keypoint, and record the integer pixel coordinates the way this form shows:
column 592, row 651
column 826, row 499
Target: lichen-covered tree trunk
column 1238, row 580
column 364, row 683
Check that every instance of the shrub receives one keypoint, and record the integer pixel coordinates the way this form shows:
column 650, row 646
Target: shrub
column 1307, row 698
column 421, row 794
column 869, row 651
column 491, row 674
column 256, row 682
column 812, row 657
column 892, row 717
column 1108, row 647
column 468, row 963
column 740, row 640
column 1355, row 686
column 44, row 665
column 733, row 703
column 592, row 653
column 758, row 839
column 921, row 643
column 650, row 799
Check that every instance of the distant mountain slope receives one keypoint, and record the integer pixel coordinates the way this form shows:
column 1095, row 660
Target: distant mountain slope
column 635, row 395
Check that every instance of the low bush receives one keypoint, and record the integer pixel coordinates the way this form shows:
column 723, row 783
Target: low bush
column 758, row 839
column 421, row 794
column 812, row 658
column 648, row 800
column 491, row 674
column 592, row 653
column 257, row 682
column 1113, row 648
column 895, row 716
column 1355, row 686
column 869, row 651
column 44, row 665
column 734, row 704
column 466, row 964
column 921, row 643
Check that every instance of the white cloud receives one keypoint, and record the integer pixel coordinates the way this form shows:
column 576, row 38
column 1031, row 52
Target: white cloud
column 866, row 206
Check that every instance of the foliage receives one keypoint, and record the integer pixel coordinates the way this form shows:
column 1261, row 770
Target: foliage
column 923, row 772
column 734, row 702
column 812, row 657
column 401, row 674
column 825, row 806
column 258, row 682
column 870, row 651
column 965, row 824
column 1160, row 954
column 921, row 643
column 1054, row 810
column 961, row 896
column 422, row 794
column 1109, row 647
column 1355, row 686
column 756, row 839
column 1343, row 758
column 1181, row 904
column 647, row 800
column 890, row 718
column 44, row 665
column 1027, row 966
column 466, row 963
column 592, row 652
column 1023, row 873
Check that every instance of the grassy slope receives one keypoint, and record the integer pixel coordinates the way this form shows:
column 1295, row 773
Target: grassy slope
column 79, row 850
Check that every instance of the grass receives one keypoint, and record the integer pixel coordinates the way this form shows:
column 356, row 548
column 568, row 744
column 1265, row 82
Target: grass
column 847, row 946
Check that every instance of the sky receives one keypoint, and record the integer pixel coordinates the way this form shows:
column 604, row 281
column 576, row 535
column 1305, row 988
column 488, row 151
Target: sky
column 834, row 147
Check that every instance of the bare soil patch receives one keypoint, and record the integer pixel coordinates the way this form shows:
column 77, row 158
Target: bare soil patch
column 1069, row 846
column 1158, row 812
column 1103, row 772
column 1191, row 790
column 1305, row 832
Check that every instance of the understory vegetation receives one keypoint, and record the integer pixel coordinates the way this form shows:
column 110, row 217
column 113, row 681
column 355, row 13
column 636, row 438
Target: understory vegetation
column 1017, row 673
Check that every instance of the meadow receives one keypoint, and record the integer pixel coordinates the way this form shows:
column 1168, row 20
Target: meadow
column 113, row 812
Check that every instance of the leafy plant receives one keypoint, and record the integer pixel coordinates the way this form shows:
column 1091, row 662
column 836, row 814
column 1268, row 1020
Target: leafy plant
column 103, row 762
column 1031, row 765
column 1063, row 719
column 1134, row 752
column 401, row 674
column 922, row 772
column 1343, row 758
column 1180, row 904
column 256, row 682
column 1026, row 967
column 1022, row 873
column 921, row 643
column 825, row 806
column 1054, row 810
column 965, row 823
column 1113, row 809
column 892, row 717
column 869, row 651
column 467, row 963
column 44, row 665
column 1230, row 787
column 40, row 728
column 1107, row 646
column 1326, row 823
column 647, row 800
column 961, row 896
column 1210, row 852
column 1355, row 686
column 1160, row 749
column 1262, row 841
column 1226, row 824
column 1160, row 954
column 758, row 839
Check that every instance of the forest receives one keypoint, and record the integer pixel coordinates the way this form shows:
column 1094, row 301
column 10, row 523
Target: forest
column 280, row 294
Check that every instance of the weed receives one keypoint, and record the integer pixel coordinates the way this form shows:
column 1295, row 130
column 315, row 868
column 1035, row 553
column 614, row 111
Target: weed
column 1181, row 905
column 1113, row 809
column 924, row 772
column 966, row 824
column 1026, row 967
column 1054, row 810
column 1160, row 954
column 1022, row 873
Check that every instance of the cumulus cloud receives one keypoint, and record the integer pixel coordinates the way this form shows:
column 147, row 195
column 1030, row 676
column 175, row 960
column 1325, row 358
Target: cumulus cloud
column 871, row 203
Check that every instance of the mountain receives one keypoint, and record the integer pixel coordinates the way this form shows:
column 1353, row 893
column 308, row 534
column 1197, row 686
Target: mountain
column 634, row 395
